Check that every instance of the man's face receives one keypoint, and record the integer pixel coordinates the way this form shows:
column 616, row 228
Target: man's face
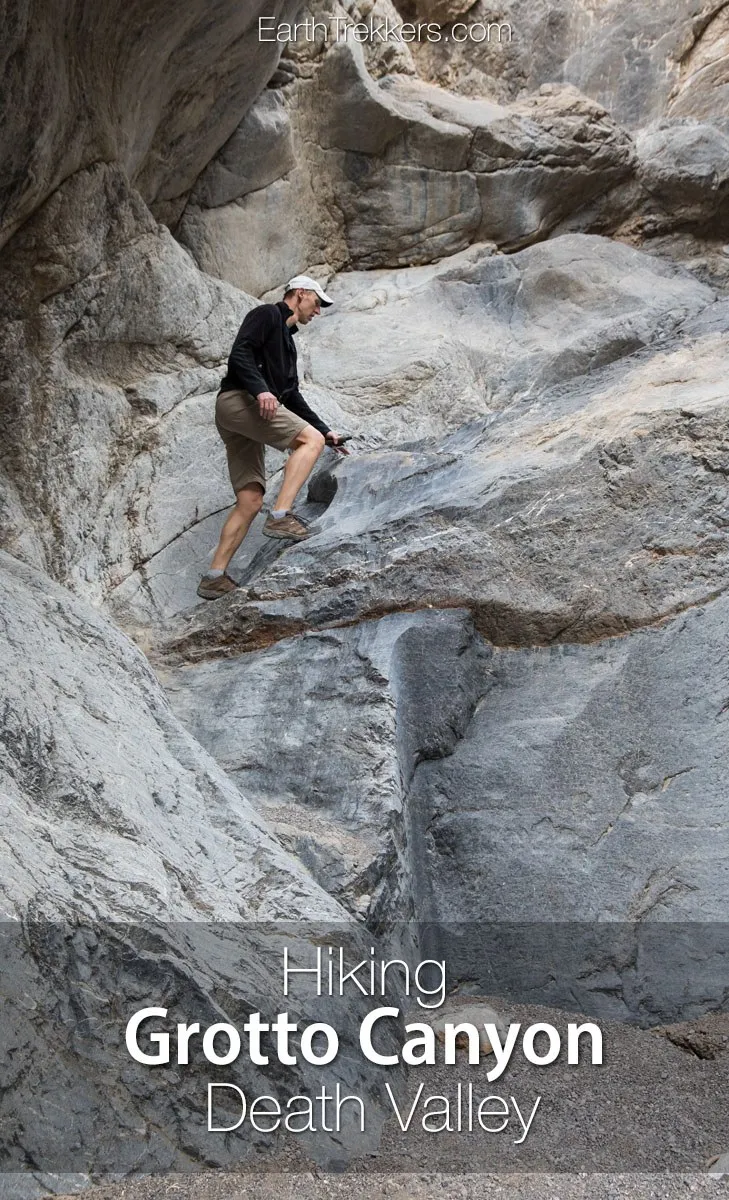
column 309, row 306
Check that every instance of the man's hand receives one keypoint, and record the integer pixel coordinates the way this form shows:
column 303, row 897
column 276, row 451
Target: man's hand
column 334, row 440
column 267, row 405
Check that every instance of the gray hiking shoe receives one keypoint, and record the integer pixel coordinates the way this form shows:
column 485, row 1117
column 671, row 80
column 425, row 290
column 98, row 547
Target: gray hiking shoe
column 213, row 588
column 294, row 529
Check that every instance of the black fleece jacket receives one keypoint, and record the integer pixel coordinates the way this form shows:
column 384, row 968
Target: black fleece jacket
column 263, row 359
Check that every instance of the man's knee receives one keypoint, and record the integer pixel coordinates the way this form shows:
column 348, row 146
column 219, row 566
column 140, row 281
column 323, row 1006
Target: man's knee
column 309, row 437
column 250, row 497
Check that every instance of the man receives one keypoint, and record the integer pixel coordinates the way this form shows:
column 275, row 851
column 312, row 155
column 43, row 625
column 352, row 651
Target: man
column 259, row 404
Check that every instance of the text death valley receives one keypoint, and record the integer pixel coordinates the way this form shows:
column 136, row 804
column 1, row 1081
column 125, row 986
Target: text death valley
column 461, row 1110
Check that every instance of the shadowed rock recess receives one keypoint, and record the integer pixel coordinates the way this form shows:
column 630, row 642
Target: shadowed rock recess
column 486, row 702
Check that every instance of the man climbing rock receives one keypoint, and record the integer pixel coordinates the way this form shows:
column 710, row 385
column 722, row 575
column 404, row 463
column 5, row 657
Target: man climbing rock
column 259, row 404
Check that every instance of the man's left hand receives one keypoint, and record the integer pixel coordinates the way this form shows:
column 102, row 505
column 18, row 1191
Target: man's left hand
column 333, row 439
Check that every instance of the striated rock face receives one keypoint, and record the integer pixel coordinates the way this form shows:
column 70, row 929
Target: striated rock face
column 576, row 533
column 96, row 769
column 134, row 873
column 112, row 343
column 506, row 335
column 415, row 172
column 640, row 61
column 702, row 89
column 155, row 89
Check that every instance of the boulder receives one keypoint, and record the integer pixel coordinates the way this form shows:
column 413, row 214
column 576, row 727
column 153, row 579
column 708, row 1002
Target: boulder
column 550, row 156
column 684, row 166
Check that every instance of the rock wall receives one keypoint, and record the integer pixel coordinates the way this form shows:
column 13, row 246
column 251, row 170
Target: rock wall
column 474, row 689
column 154, row 89
column 398, row 172
column 606, row 119
column 112, row 341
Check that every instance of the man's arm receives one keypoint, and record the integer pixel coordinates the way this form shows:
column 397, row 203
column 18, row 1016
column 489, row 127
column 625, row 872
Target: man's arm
column 296, row 402
column 247, row 348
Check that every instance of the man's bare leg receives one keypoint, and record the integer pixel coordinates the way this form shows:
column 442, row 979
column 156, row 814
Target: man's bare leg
column 305, row 449
column 248, row 503
column 281, row 523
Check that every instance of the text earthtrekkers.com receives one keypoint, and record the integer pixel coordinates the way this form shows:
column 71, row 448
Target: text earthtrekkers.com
column 343, row 29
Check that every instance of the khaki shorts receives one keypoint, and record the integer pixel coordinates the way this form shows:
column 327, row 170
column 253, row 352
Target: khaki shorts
column 245, row 433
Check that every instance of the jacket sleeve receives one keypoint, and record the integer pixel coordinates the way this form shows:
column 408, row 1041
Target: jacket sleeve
column 296, row 402
column 248, row 349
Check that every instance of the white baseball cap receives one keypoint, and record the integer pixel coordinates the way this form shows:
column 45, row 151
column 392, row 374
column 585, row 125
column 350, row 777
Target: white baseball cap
column 305, row 281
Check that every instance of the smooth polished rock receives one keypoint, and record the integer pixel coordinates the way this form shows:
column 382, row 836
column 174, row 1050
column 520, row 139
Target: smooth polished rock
column 115, row 345
column 259, row 152
column 581, row 510
column 333, row 790
column 548, row 814
column 482, row 358
column 153, row 89
column 589, row 789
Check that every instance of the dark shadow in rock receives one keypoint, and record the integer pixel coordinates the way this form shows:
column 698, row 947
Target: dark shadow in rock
column 322, row 487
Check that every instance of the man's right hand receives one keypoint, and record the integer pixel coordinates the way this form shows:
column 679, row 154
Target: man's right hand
column 267, row 405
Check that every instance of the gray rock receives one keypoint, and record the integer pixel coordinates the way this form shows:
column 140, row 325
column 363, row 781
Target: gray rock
column 359, row 116
column 259, row 152
column 604, row 759
column 702, row 89
column 263, row 239
column 685, row 166
column 718, row 1166
column 411, row 172
column 116, row 344
column 592, row 877
column 505, row 338
column 410, row 214
column 542, row 157
column 338, row 807
column 181, row 83
column 497, row 327
column 674, row 201
column 94, row 756
column 133, row 872
column 630, row 57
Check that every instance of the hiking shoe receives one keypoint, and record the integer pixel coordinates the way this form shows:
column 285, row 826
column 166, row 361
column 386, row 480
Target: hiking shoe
column 213, row 588
column 290, row 527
